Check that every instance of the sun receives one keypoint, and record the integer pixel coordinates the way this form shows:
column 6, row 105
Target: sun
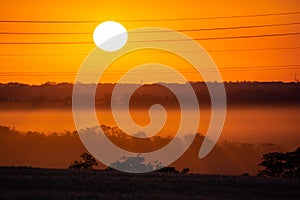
column 110, row 36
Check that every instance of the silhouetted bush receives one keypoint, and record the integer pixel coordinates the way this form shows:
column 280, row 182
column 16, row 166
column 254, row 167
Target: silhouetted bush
column 87, row 162
column 279, row 164
column 185, row 170
column 168, row 170
column 245, row 174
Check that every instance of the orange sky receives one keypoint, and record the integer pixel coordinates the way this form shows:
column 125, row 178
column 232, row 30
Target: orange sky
column 38, row 63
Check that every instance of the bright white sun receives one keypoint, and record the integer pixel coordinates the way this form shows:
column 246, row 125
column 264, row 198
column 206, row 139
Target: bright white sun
column 110, row 36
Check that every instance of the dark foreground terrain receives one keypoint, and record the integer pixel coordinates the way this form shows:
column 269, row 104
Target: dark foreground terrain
column 33, row 183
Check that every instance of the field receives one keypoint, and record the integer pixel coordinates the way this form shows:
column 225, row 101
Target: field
column 36, row 183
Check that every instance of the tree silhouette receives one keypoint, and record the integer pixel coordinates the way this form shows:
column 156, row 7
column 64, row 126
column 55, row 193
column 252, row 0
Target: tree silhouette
column 87, row 162
column 135, row 164
column 168, row 170
column 278, row 164
column 185, row 170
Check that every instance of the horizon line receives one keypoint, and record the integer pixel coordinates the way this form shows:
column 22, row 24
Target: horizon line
column 53, row 83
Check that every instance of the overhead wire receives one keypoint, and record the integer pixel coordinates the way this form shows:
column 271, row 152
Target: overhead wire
column 155, row 20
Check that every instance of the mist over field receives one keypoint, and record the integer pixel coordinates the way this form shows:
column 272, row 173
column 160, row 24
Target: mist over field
column 58, row 150
column 238, row 152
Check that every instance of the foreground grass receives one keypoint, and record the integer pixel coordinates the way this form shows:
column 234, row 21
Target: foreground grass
column 34, row 183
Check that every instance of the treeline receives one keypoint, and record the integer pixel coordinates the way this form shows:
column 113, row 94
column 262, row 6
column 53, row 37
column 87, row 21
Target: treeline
column 238, row 93
column 58, row 150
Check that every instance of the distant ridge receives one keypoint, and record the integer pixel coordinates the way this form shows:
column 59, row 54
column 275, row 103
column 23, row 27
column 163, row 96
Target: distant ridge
column 238, row 93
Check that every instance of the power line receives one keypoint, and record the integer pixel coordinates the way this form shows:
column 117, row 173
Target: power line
column 216, row 17
column 49, row 21
column 226, row 37
column 152, row 20
column 46, row 43
column 170, row 40
column 44, row 33
column 156, row 31
column 150, row 72
column 162, row 52
column 255, row 49
column 227, row 28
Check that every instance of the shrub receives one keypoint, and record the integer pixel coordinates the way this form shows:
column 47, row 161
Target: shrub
column 87, row 162
column 279, row 164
